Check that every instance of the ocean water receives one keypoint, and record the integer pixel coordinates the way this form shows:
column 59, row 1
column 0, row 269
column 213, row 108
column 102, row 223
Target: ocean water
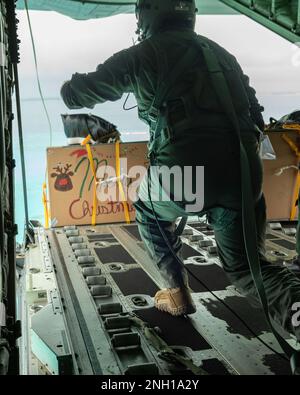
column 36, row 140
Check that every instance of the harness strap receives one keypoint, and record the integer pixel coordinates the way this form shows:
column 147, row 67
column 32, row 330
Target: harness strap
column 165, row 351
column 46, row 208
column 292, row 145
column 120, row 184
column 248, row 212
column 157, row 112
column 294, row 148
column 292, row 126
column 86, row 143
column 180, row 227
column 296, row 197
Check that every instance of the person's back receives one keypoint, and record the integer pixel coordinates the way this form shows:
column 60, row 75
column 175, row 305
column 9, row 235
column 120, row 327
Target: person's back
column 149, row 64
column 195, row 117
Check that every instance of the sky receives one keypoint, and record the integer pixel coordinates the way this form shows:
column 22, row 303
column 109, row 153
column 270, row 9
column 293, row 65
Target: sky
column 65, row 46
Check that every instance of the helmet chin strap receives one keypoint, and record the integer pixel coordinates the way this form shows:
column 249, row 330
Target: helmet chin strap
column 140, row 33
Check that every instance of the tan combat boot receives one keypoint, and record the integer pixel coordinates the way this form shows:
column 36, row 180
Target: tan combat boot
column 175, row 301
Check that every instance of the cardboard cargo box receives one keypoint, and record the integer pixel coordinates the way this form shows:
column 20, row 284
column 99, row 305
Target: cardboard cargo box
column 280, row 189
column 71, row 182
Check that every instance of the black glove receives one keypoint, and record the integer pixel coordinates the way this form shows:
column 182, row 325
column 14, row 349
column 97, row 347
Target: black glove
column 81, row 125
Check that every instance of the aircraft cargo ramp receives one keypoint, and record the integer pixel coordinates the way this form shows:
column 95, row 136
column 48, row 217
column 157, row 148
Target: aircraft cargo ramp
column 95, row 287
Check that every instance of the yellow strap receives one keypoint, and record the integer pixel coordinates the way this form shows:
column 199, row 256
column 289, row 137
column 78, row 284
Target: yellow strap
column 291, row 144
column 91, row 159
column 86, row 142
column 95, row 205
column 294, row 147
column 45, row 203
column 295, row 197
column 293, row 126
column 121, row 189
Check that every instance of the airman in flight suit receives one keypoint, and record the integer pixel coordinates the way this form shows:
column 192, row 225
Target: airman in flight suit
column 193, row 131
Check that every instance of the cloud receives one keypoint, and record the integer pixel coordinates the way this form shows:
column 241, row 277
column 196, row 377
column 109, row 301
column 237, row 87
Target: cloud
column 65, row 46
column 268, row 59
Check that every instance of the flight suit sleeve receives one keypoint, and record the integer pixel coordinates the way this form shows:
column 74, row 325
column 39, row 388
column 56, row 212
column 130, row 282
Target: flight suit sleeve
column 255, row 108
column 108, row 83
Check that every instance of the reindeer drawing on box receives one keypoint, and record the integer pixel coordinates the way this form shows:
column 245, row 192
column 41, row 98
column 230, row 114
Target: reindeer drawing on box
column 63, row 182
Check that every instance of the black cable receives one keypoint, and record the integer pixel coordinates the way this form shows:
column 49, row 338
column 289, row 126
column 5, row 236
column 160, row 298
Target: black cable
column 37, row 74
column 125, row 102
column 21, row 143
column 177, row 258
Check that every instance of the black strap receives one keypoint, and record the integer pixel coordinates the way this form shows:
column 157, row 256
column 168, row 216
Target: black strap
column 248, row 212
column 181, row 226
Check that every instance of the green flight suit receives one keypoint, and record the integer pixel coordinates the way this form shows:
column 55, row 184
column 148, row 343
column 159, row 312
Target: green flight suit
column 197, row 133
